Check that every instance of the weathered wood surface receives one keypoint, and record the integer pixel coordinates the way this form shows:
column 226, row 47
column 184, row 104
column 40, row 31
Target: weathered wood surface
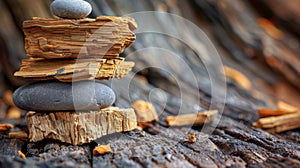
column 105, row 36
column 74, row 70
column 234, row 142
column 78, row 128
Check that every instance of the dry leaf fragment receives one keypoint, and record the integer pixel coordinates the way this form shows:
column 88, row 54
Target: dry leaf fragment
column 5, row 127
column 22, row 154
column 102, row 149
column 192, row 138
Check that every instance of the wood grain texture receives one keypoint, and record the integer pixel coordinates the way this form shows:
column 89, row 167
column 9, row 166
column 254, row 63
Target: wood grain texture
column 79, row 127
column 105, row 36
column 66, row 70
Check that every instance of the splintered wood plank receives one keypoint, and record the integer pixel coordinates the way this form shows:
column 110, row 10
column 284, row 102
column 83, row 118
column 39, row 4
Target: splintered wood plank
column 74, row 70
column 105, row 36
column 79, row 127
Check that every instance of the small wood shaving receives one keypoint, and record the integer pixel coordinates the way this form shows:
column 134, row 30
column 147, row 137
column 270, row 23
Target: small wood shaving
column 5, row 127
column 18, row 135
column 22, row 154
column 102, row 149
column 192, row 138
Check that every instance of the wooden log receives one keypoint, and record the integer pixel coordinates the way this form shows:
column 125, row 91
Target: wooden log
column 74, row 70
column 79, row 127
column 105, row 36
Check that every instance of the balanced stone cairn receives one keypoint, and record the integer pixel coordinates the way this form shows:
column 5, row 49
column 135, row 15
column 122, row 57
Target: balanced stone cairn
column 68, row 55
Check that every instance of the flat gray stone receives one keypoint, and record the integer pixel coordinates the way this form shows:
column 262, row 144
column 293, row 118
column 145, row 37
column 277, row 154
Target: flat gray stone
column 71, row 9
column 58, row 96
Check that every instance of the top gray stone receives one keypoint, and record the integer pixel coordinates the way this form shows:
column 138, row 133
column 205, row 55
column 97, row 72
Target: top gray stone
column 71, row 9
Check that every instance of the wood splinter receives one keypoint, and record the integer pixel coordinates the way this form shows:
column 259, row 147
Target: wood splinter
column 192, row 119
column 22, row 155
column 278, row 124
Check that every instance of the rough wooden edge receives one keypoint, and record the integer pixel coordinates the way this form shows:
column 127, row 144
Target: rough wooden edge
column 79, row 127
column 74, row 70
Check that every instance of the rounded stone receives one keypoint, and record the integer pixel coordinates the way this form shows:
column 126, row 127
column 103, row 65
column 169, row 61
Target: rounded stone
column 71, row 9
column 58, row 96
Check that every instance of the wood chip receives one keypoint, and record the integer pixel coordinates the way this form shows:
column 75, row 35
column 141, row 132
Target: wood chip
column 18, row 135
column 79, row 127
column 13, row 112
column 238, row 77
column 74, row 70
column 102, row 149
column 145, row 113
column 105, row 36
column 5, row 127
column 279, row 123
column 270, row 28
column 22, row 154
column 192, row 138
column 192, row 119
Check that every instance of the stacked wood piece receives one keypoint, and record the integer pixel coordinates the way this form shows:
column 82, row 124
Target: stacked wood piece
column 62, row 51
column 86, row 48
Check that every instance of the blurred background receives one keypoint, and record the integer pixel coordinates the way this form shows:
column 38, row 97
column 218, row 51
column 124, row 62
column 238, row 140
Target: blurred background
column 258, row 42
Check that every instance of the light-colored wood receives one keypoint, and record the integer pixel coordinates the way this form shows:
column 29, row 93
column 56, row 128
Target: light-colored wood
column 103, row 37
column 79, row 127
column 74, row 70
column 192, row 119
column 102, row 149
column 5, row 127
column 145, row 113
column 279, row 123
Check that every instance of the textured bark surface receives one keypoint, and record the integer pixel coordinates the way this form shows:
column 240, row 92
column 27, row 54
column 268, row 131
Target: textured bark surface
column 78, row 128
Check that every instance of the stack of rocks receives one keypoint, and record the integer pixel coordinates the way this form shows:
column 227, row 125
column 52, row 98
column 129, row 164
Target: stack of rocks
column 66, row 55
